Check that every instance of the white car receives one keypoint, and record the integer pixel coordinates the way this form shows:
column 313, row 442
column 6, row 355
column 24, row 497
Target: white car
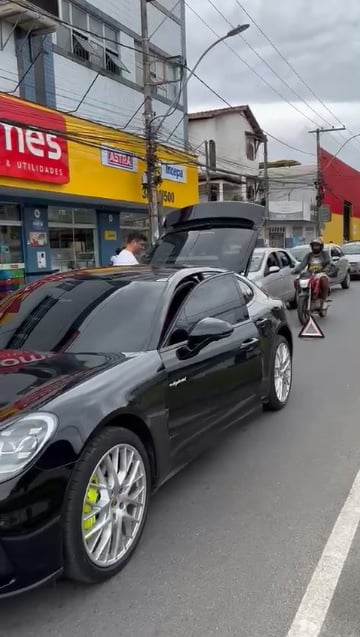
column 270, row 269
column 352, row 253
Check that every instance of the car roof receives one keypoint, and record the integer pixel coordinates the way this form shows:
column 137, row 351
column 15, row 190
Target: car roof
column 133, row 273
column 263, row 250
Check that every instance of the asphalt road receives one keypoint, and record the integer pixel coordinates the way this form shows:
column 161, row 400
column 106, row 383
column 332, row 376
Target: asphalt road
column 233, row 541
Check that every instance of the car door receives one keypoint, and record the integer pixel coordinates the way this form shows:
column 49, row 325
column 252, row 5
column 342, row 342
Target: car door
column 286, row 277
column 222, row 382
column 272, row 283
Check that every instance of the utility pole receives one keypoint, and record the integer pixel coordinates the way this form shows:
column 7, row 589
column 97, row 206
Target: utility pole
column 266, row 187
column 319, row 180
column 207, row 164
column 152, row 177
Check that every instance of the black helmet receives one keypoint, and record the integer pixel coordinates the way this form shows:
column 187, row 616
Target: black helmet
column 317, row 242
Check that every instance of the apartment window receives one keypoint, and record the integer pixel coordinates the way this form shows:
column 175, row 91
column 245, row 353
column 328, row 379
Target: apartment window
column 163, row 74
column 250, row 191
column 250, row 148
column 89, row 39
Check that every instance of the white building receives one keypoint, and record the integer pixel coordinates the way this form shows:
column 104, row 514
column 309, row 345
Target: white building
column 227, row 141
column 84, row 57
column 292, row 200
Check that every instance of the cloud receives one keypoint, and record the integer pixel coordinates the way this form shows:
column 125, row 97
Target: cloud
column 322, row 46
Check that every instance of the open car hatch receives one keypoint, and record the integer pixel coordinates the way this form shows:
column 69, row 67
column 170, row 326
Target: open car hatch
column 212, row 234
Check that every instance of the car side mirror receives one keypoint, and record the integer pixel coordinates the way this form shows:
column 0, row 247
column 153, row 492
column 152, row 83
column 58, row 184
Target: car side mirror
column 206, row 331
column 274, row 269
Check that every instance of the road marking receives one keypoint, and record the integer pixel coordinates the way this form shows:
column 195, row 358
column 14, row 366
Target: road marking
column 313, row 609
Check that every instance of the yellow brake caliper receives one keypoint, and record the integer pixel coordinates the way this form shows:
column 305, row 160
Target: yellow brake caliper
column 92, row 496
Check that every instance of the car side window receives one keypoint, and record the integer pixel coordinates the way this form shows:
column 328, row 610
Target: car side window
column 246, row 290
column 217, row 297
column 270, row 262
column 284, row 260
column 336, row 252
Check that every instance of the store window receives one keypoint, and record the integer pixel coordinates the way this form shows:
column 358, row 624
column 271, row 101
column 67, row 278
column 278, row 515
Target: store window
column 10, row 234
column 72, row 238
column 130, row 221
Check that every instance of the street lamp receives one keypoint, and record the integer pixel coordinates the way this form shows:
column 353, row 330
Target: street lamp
column 153, row 174
column 230, row 34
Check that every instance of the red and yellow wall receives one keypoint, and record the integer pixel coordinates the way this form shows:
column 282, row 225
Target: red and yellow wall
column 341, row 184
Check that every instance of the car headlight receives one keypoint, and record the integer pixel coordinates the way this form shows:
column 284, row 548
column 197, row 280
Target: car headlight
column 22, row 440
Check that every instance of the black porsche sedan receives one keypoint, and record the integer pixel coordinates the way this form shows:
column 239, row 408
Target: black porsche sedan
column 111, row 380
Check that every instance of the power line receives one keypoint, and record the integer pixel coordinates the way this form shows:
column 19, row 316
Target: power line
column 251, row 68
column 287, row 62
column 291, row 67
column 269, row 66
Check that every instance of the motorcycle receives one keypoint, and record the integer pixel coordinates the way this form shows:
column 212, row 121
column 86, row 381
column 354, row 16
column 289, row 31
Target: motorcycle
column 307, row 297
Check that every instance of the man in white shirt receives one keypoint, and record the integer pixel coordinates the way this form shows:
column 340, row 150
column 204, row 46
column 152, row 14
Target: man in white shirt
column 135, row 245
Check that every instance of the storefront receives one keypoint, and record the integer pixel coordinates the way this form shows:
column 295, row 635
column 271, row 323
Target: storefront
column 71, row 190
column 342, row 199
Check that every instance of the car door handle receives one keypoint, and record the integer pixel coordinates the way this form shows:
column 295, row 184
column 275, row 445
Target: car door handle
column 249, row 344
column 262, row 322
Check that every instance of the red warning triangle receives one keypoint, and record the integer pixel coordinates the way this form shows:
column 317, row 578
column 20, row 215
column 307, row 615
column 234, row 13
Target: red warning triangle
column 311, row 330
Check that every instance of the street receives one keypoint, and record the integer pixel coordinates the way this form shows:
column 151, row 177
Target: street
column 233, row 541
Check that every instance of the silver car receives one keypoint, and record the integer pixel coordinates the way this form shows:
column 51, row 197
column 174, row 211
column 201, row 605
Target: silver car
column 270, row 269
column 352, row 252
column 337, row 258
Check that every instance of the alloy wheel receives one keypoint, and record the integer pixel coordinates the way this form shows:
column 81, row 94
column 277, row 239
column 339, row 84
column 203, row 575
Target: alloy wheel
column 282, row 372
column 114, row 505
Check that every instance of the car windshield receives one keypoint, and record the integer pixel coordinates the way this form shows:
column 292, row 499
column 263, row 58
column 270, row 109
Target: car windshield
column 351, row 248
column 80, row 314
column 216, row 247
column 299, row 252
column 256, row 261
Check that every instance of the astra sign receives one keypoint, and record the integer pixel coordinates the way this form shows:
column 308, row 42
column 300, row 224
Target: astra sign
column 39, row 153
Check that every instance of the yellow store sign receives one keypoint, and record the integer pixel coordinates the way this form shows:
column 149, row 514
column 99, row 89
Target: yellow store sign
column 46, row 151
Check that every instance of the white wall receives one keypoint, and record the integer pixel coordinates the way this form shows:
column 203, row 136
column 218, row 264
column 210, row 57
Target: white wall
column 108, row 102
column 127, row 12
column 228, row 131
column 9, row 76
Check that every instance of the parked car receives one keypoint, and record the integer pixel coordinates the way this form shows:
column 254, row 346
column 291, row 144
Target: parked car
column 351, row 251
column 270, row 269
column 338, row 259
column 110, row 381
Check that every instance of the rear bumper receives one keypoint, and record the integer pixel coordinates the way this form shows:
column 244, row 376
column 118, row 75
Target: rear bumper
column 355, row 269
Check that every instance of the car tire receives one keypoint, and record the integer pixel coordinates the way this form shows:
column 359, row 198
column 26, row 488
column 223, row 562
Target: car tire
column 274, row 401
column 89, row 505
column 345, row 284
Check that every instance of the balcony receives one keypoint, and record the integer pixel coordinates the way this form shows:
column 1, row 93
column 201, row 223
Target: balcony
column 32, row 17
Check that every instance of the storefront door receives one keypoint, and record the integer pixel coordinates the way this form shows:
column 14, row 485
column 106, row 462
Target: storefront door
column 11, row 250
column 72, row 236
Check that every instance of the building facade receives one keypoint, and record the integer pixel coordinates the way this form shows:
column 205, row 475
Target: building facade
column 341, row 194
column 84, row 57
column 292, row 200
column 227, row 142
column 71, row 190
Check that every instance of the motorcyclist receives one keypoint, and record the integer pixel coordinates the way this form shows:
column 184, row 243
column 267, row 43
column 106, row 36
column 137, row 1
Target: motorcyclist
column 317, row 262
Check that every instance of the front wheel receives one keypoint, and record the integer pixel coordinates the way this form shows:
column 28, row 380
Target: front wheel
column 280, row 375
column 346, row 282
column 302, row 309
column 106, row 507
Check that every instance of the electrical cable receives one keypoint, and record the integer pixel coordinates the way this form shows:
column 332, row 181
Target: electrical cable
column 269, row 66
column 251, row 68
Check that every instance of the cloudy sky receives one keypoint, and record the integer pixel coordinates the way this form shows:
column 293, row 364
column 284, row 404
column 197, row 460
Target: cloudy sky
column 321, row 42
